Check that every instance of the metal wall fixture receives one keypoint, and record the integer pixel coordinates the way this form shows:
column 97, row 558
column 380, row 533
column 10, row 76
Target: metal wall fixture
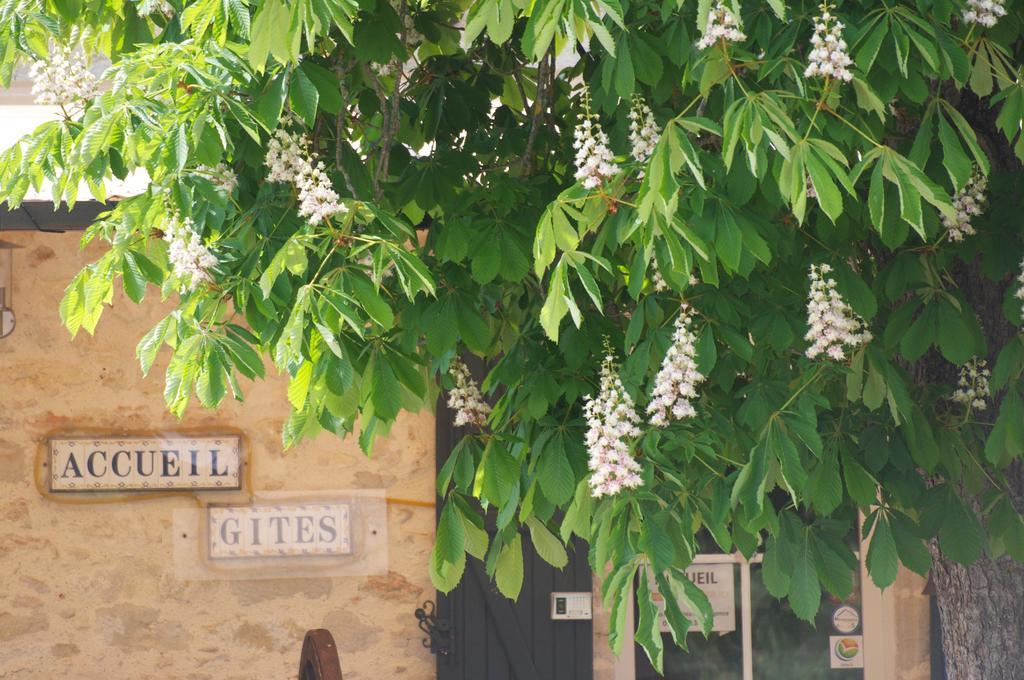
column 440, row 636
column 6, row 288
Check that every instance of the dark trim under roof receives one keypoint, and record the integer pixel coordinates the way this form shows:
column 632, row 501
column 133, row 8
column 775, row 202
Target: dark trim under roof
column 41, row 216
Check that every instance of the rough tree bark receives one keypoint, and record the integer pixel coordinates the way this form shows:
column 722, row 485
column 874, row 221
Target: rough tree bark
column 981, row 609
column 981, row 606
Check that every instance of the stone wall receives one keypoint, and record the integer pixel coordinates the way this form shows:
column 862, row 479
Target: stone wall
column 89, row 591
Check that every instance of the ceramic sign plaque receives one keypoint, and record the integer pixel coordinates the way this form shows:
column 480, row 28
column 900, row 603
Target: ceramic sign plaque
column 144, row 464
column 279, row 530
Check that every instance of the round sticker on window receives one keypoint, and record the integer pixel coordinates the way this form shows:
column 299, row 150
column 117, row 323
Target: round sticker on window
column 845, row 619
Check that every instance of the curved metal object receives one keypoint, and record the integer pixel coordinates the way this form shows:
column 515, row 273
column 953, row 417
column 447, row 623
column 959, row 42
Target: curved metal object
column 319, row 660
column 438, row 630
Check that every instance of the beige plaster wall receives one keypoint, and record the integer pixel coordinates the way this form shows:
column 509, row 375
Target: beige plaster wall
column 90, row 591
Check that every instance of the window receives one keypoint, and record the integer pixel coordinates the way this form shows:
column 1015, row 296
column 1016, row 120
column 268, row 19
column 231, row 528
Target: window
column 759, row 637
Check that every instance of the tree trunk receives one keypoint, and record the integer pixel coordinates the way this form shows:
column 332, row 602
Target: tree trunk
column 981, row 606
column 981, row 609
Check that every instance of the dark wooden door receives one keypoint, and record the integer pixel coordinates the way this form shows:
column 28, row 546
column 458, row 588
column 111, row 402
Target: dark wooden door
column 494, row 638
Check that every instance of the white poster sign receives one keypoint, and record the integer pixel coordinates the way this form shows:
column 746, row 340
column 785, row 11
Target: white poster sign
column 718, row 581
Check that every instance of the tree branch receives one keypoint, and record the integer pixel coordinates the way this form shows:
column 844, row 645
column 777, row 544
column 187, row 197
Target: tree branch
column 391, row 118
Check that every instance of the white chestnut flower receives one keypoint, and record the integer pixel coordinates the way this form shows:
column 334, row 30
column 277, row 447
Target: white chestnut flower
column 288, row 161
column 722, row 27
column 984, row 12
column 190, row 259
column 145, row 8
column 973, row 389
column 465, row 398
column 595, row 162
column 644, row 132
column 828, row 58
column 221, row 175
column 676, row 384
column 1020, row 288
column 657, row 280
column 63, row 78
column 969, row 202
column 611, row 422
column 832, row 325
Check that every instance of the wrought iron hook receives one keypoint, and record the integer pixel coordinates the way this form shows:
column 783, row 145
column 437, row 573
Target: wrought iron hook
column 438, row 630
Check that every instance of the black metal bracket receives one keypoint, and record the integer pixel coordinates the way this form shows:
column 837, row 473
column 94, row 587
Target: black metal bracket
column 440, row 636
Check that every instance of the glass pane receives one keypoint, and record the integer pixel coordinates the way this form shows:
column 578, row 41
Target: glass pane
column 786, row 647
column 719, row 657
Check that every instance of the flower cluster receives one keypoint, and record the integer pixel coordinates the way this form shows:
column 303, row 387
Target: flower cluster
column 288, row 162
column 595, row 162
column 190, row 259
column 465, row 398
column 967, row 203
column 828, row 57
column 831, row 323
column 221, row 175
column 1020, row 289
column 62, row 79
column 677, row 380
column 145, row 8
column 657, row 280
column 722, row 26
column 984, row 12
column 643, row 131
column 611, row 421
column 973, row 389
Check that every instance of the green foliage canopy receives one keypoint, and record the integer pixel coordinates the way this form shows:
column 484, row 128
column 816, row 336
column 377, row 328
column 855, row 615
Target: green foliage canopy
column 446, row 128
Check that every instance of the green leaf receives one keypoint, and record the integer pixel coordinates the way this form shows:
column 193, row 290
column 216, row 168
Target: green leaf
column 451, row 534
column 678, row 623
column 508, row 572
column 303, row 96
column 500, row 473
column 692, row 598
column 152, row 341
column 473, row 328
column 270, row 103
column 656, row 542
column 556, row 305
column 132, row 277
column 291, row 257
column 485, row 264
column 298, row 387
column 327, row 86
column 882, row 559
column 625, row 80
column 868, row 100
column 961, row 537
column 210, row 381
column 577, row 516
column 910, row 547
column 859, row 483
column 557, row 480
column 547, row 544
column 804, row 588
column 648, row 629
column 476, row 537
column 385, row 390
column 371, row 300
